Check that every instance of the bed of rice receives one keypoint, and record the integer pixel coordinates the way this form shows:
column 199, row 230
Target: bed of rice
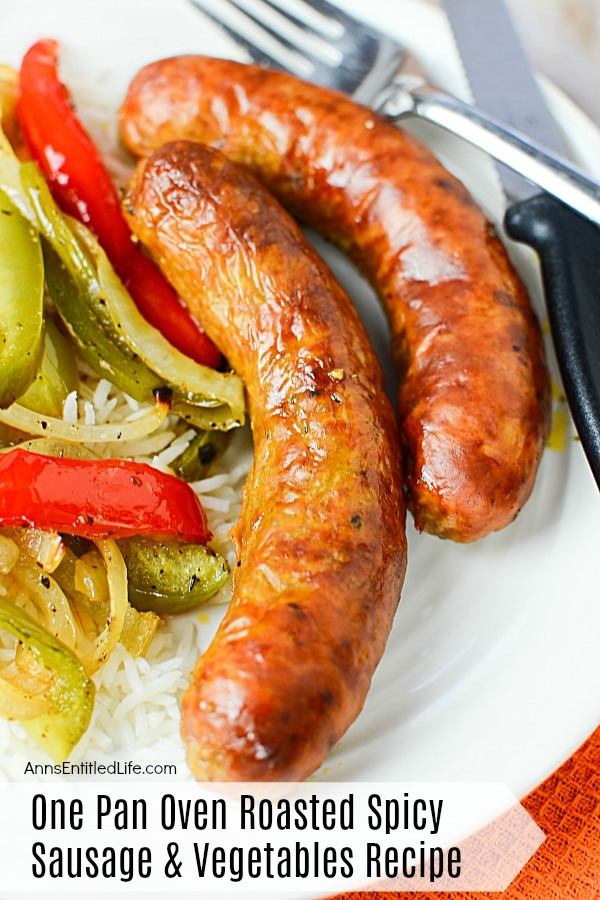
column 136, row 715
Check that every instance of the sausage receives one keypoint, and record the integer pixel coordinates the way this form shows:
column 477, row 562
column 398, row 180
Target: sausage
column 474, row 392
column 321, row 540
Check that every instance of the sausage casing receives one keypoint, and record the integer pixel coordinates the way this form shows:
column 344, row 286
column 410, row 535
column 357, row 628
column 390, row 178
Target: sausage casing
column 474, row 394
column 320, row 542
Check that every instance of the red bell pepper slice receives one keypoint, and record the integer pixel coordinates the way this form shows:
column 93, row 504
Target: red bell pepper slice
column 107, row 498
column 83, row 188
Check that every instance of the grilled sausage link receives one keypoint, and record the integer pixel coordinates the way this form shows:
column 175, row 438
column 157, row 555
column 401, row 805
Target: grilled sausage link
column 474, row 398
column 321, row 542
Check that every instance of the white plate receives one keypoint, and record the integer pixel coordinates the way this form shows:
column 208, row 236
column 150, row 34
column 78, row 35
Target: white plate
column 492, row 671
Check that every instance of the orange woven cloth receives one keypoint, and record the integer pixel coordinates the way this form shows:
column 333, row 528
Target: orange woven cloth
column 567, row 866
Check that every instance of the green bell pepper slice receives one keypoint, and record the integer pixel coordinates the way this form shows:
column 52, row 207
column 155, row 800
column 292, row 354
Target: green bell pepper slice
column 202, row 450
column 21, row 303
column 57, row 376
column 97, row 348
column 71, row 692
column 167, row 577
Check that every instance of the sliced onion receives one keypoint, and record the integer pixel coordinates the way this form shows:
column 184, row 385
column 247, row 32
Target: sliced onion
column 24, row 419
column 8, row 553
column 17, row 704
column 91, row 578
column 116, row 574
column 23, row 683
column 51, row 602
column 48, row 447
column 90, row 598
column 47, row 548
column 138, row 631
column 32, row 677
column 9, row 88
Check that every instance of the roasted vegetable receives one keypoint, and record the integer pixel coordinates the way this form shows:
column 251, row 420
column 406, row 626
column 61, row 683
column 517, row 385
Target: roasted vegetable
column 114, row 338
column 24, row 419
column 67, row 690
column 83, row 188
column 57, row 375
column 85, row 580
column 168, row 577
column 193, row 462
column 202, row 396
column 97, row 498
column 21, row 302
column 190, row 382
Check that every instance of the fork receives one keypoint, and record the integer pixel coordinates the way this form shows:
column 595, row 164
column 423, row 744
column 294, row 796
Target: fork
column 317, row 41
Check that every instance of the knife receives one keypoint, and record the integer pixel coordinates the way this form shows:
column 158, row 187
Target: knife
column 502, row 83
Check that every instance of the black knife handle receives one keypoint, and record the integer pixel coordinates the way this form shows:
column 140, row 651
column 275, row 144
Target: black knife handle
column 569, row 250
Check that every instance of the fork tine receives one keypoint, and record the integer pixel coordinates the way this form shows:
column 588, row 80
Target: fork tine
column 324, row 12
column 262, row 44
column 307, row 13
column 369, row 59
column 310, row 27
column 311, row 39
column 276, row 20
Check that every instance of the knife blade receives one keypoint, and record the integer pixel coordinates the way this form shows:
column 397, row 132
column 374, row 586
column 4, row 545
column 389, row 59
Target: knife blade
column 502, row 83
column 483, row 60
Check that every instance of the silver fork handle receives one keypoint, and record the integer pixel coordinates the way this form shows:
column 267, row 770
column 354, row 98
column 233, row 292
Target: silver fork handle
column 552, row 173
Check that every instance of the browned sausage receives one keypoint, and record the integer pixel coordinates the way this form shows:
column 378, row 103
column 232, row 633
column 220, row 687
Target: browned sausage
column 320, row 542
column 474, row 398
